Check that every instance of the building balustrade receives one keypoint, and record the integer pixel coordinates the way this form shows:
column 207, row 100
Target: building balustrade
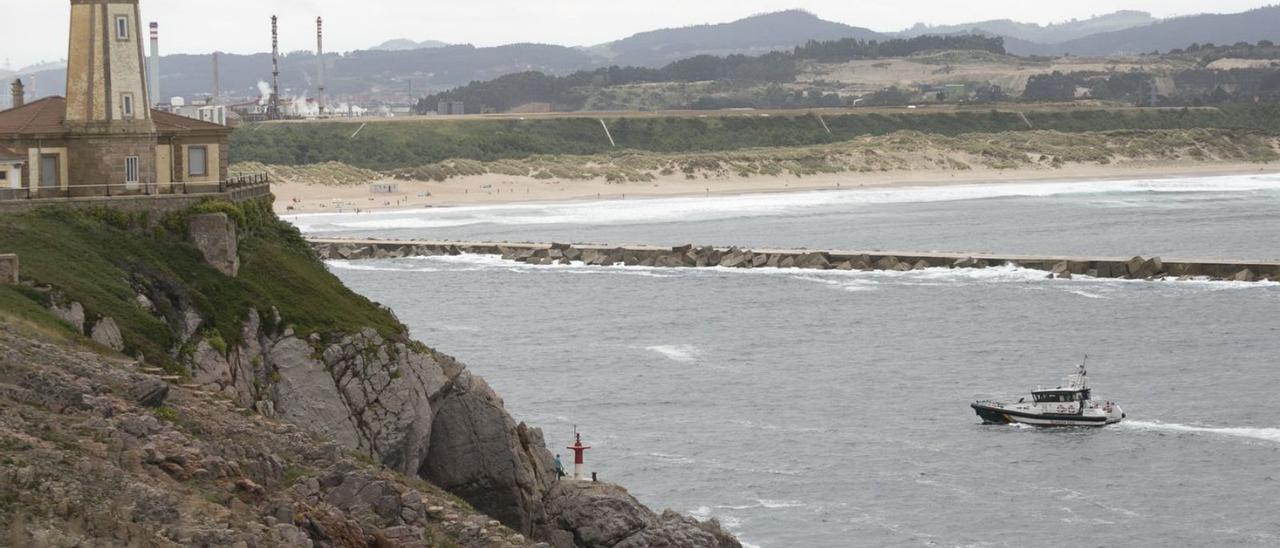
column 233, row 183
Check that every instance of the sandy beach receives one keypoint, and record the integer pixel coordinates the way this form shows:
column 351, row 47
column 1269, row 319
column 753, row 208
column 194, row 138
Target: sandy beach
column 293, row 197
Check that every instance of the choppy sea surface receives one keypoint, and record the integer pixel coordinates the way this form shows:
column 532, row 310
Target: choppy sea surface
column 820, row 409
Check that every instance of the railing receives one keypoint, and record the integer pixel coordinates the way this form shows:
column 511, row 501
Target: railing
column 235, row 182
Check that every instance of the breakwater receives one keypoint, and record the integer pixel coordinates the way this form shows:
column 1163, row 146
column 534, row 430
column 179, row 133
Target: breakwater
column 690, row 256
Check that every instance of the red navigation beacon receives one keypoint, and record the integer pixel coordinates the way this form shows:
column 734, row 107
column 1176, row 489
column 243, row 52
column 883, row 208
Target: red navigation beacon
column 579, row 450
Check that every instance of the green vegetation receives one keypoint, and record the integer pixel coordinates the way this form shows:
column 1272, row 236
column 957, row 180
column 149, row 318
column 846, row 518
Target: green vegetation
column 31, row 306
column 105, row 261
column 393, row 145
column 167, row 414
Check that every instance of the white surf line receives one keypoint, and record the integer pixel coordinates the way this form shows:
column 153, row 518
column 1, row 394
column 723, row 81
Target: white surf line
column 1265, row 434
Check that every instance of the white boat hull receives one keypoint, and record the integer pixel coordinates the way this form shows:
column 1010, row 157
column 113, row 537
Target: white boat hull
column 994, row 413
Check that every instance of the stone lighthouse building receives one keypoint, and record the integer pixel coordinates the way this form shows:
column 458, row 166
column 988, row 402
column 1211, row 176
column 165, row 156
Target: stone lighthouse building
column 103, row 138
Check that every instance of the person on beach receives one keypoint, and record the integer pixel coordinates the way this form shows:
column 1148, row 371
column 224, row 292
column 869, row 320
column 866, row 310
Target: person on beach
column 559, row 468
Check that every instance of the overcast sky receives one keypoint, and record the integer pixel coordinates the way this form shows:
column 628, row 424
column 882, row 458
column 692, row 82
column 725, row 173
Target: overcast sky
column 36, row 30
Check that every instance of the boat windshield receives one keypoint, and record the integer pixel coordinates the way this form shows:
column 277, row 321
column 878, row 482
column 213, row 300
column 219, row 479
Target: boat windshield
column 1057, row 396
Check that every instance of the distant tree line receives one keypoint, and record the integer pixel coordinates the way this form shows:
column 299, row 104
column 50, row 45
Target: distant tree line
column 850, row 49
column 1195, row 87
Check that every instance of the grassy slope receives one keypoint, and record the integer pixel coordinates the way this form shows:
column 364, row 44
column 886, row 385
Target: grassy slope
column 390, row 145
column 96, row 258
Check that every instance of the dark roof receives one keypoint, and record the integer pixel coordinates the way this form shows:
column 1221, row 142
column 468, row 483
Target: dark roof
column 46, row 116
column 43, row 116
column 167, row 122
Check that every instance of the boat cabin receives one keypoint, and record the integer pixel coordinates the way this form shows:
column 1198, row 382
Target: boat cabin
column 1060, row 395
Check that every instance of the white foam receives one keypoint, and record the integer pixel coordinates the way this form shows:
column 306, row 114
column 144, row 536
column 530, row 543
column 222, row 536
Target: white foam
column 380, row 267
column 682, row 353
column 678, row 459
column 843, row 280
column 765, row 503
column 663, row 210
column 1266, row 434
column 1087, row 294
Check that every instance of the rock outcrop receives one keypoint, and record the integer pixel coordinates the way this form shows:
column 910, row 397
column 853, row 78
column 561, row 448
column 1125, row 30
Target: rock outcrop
column 95, row 456
column 214, row 234
column 480, row 453
column 416, row 411
column 107, row 333
column 604, row 515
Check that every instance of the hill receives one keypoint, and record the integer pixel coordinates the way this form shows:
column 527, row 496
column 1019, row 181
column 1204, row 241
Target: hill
column 1041, row 34
column 400, row 71
column 757, row 34
column 404, row 44
column 1250, row 26
column 367, row 72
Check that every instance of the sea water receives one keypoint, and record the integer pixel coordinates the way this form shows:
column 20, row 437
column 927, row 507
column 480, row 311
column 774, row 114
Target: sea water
column 823, row 408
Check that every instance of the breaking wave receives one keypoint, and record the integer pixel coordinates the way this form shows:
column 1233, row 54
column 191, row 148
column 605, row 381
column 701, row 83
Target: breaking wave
column 843, row 280
column 682, row 353
column 766, row 504
column 1266, row 434
column 663, row 210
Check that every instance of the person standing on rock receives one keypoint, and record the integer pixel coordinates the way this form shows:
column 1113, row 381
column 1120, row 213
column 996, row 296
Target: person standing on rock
column 559, row 468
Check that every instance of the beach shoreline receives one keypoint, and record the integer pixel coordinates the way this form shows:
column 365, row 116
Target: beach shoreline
column 300, row 198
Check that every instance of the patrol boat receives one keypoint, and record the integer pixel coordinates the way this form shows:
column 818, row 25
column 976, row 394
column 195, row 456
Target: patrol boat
column 1069, row 405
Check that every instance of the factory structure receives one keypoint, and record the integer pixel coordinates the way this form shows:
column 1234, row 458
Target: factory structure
column 267, row 102
column 270, row 102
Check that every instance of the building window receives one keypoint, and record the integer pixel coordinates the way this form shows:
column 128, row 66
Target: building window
column 50, row 174
column 122, row 27
column 197, row 161
column 131, row 170
column 126, row 105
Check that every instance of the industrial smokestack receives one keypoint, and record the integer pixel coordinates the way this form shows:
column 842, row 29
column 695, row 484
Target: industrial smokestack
column 274, row 109
column 154, row 69
column 19, row 95
column 217, row 86
column 320, row 61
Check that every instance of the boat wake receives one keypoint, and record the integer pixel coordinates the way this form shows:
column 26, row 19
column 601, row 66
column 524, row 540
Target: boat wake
column 1265, row 434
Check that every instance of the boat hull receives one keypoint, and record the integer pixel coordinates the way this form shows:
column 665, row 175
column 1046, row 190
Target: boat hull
column 991, row 414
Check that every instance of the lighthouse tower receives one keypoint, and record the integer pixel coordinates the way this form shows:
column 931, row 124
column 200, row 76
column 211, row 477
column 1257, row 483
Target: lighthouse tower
column 579, row 451
column 106, row 75
column 112, row 137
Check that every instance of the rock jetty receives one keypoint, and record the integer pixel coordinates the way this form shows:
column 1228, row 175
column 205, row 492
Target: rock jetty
column 689, row 256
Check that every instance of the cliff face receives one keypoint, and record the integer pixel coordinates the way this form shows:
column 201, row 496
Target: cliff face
column 98, row 452
column 284, row 340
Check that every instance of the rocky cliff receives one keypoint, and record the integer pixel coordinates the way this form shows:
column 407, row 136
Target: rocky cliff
column 281, row 339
